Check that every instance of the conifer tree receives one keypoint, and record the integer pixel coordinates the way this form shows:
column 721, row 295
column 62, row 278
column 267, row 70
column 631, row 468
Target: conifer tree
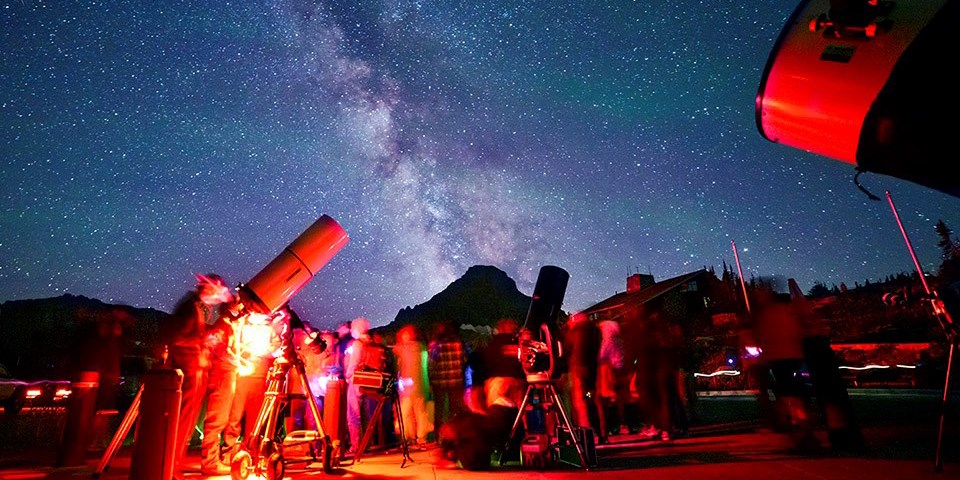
column 949, row 269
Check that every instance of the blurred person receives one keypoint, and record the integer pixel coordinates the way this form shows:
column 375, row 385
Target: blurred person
column 344, row 337
column 674, row 414
column 506, row 382
column 757, row 372
column 829, row 388
column 474, row 378
column 413, row 386
column 260, row 341
column 221, row 386
column 380, row 358
column 779, row 331
column 609, row 377
column 330, row 388
column 641, row 349
column 183, row 334
column 582, row 346
column 309, row 347
column 470, row 438
column 445, row 368
column 359, row 406
column 324, row 368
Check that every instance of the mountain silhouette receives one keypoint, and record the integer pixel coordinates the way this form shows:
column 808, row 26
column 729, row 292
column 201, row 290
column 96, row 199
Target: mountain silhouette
column 59, row 336
column 483, row 295
column 62, row 335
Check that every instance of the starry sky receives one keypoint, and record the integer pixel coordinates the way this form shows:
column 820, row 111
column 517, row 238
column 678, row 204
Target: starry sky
column 144, row 142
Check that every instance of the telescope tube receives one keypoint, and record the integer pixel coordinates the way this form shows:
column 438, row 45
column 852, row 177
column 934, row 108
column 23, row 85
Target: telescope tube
column 870, row 89
column 547, row 299
column 294, row 267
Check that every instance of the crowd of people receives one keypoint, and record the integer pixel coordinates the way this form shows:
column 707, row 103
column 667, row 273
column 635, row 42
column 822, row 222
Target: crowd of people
column 615, row 376
column 226, row 355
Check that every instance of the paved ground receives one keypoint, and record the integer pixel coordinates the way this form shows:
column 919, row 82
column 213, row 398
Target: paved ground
column 901, row 431
column 715, row 456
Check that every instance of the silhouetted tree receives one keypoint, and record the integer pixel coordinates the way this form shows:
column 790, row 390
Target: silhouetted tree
column 949, row 270
column 818, row 290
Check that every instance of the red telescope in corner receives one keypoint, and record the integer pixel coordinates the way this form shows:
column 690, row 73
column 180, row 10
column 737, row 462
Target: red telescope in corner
column 870, row 83
column 294, row 267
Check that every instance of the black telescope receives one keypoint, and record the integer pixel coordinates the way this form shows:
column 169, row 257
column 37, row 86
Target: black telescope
column 539, row 348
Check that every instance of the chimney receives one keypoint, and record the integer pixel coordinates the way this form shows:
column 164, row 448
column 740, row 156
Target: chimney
column 638, row 281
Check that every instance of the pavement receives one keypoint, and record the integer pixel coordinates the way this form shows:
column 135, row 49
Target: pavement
column 898, row 448
column 702, row 455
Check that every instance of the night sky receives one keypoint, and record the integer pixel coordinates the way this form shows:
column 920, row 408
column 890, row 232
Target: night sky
column 144, row 142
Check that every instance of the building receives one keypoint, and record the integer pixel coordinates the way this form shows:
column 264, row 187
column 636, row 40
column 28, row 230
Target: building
column 685, row 299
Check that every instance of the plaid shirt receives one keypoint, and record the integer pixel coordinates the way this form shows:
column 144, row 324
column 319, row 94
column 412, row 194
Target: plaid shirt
column 446, row 365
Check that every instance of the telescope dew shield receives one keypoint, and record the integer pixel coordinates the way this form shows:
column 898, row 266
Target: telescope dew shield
column 870, row 85
column 294, row 267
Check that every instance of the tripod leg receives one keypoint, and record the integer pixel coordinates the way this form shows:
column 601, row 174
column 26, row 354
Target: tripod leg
column 938, row 462
column 566, row 422
column 311, row 400
column 371, row 426
column 403, row 433
column 516, row 423
column 261, row 433
column 128, row 420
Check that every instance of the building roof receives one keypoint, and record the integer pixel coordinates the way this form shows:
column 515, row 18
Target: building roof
column 643, row 295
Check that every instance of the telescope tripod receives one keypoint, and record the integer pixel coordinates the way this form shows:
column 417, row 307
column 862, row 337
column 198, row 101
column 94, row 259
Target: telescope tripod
column 549, row 399
column 948, row 325
column 949, row 328
column 389, row 393
column 262, row 453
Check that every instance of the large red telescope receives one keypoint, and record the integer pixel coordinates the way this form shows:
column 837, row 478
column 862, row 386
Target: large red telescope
column 868, row 82
column 294, row 267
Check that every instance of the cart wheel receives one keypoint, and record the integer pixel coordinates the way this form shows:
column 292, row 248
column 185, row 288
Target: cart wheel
column 330, row 456
column 241, row 465
column 275, row 467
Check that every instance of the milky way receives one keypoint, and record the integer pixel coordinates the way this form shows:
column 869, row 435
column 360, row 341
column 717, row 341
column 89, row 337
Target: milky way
column 144, row 142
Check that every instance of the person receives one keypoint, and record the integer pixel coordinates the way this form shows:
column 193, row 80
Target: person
column 506, row 382
column 344, row 337
column 183, row 334
column 675, row 418
column 757, row 372
column 328, row 365
column 610, row 363
column 829, row 388
column 360, row 407
column 260, row 339
column 474, row 378
column 379, row 358
column 446, row 366
column 582, row 344
column 779, row 332
column 413, row 386
column 309, row 346
column 221, row 385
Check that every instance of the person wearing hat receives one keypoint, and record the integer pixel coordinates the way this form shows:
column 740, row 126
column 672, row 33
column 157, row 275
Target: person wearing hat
column 221, row 385
column 183, row 335
column 353, row 360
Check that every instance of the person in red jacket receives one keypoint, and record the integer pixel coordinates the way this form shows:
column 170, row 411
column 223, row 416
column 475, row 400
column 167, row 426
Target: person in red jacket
column 183, row 335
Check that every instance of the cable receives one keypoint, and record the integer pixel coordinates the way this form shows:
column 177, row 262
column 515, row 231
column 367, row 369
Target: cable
column 856, row 181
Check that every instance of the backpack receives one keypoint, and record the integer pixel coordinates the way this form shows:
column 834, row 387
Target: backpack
column 373, row 357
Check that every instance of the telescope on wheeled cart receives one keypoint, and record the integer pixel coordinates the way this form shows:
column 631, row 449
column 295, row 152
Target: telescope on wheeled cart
column 263, row 453
column 267, row 292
